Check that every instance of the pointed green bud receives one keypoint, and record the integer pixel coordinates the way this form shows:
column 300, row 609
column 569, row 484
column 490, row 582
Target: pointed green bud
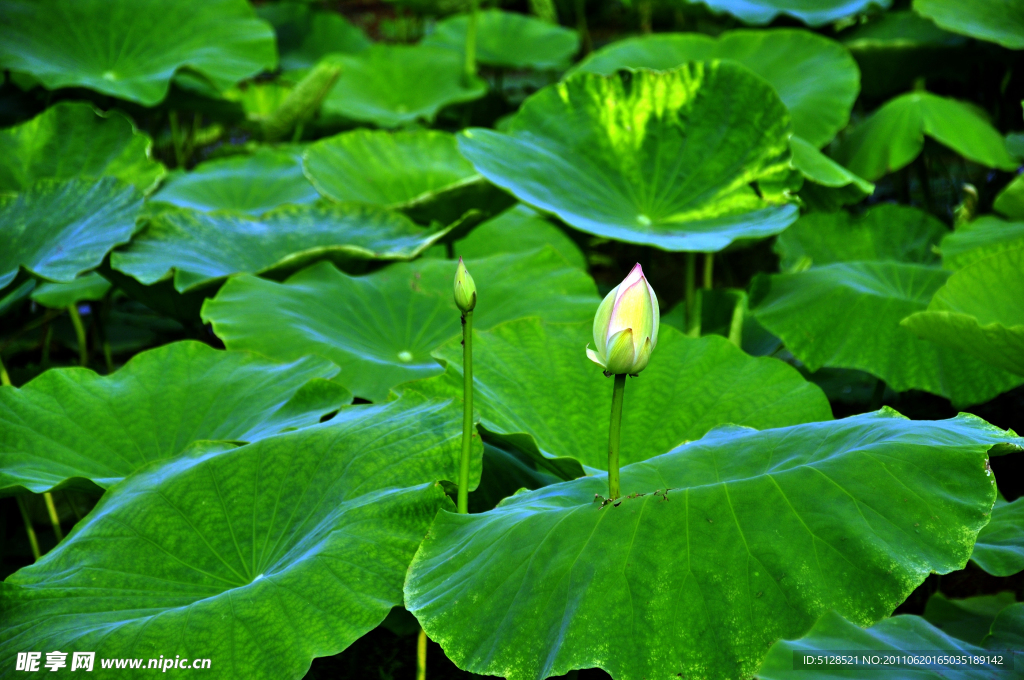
column 465, row 288
column 626, row 326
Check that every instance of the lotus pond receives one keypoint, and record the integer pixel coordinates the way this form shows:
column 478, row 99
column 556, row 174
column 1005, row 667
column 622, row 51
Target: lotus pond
column 641, row 339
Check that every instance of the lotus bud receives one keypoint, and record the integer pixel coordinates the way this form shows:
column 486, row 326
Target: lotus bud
column 465, row 289
column 626, row 326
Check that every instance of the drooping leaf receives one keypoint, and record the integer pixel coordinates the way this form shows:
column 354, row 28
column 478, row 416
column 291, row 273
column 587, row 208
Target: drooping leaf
column 976, row 240
column 657, row 158
column 980, row 312
column 1010, row 201
column 382, row 327
column 894, row 135
column 827, row 184
column 87, row 287
column 69, row 423
column 716, row 550
column 536, row 389
column 258, row 558
column 131, row 48
column 1000, row 546
column 509, row 39
column 71, row 139
column 306, row 35
column 993, row 20
column 396, row 85
column 885, row 233
column 251, row 184
column 815, row 77
column 518, row 230
column 202, row 248
column 895, row 637
column 58, row 230
column 812, row 12
column 968, row 619
column 848, row 314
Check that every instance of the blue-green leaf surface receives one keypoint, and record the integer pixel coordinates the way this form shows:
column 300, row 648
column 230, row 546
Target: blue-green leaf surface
column 813, row 12
column 1000, row 546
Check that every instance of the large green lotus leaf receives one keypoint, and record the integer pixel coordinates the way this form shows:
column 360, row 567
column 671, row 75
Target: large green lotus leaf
column 1008, row 631
column 131, row 48
column 886, row 232
column 87, row 287
column 1000, row 21
column 978, row 239
column 980, row 312
column 396, row 85
column 517, row 230
column 258, row 558
column 412, row 169
column 509, row 39
column 847, row 315
column 58, row 230
column 815, row 77
column 382, row 327
column 304, row 35
column 71, row 139
column 1000, row 546
column 536, row 389
column 69, row 423
column 894, row 135
column 812, row 12
column 716, row 550
column 1010, row 201
column 665, row 158
column 202, row 248
column 968, row 619
column 251, row 184
column 827, row 184
column 898, row 636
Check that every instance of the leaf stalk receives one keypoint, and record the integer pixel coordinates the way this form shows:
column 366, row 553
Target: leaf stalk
column 614, row 430
column 467, row 410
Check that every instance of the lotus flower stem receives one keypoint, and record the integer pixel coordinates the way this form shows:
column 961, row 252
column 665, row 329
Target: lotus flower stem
column 83, row 347
column 614, row 430
column 32, row 540
column 709, row 269
column 467, row 410
column 4, row 378
column 471, row 41
column 690, row 282
column 421, row 655
column 51, row 510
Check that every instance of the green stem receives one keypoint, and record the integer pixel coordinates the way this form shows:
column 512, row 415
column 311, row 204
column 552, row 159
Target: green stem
column 581, row 26
column 421, row 655
column 736, row 325
column 691, row 284
column 4, row 378
column 83, row 347
column 467, row 410
column 709, row 269
column 51, row 510
column 32, row 540
column 614, row 430
column 471, row 41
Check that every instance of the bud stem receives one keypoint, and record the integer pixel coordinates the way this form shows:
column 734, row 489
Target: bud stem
column 467, row 410
column 614, row 428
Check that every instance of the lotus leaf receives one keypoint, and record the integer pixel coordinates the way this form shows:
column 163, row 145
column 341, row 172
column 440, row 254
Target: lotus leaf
column 979, row 239
column 203, row 248
column 519, row 229
column 509, row 39
column 886, row 232
column 251, row 184
column 847, row 315
column 70, row 423
column 1010, row 201
column 71, row 139
column 89, row 286
column 396, row 85
column 305, row 36
column 58, row 230
column 968, row 619
column 896, row 636
column 753, row 534
column 1008, row 631
column 258, row 558
column 813, row 12
column 1000, row 546
column 815, row 77
column 829, row 183
column 381, row 328
column 980, row 311
column 657, row 158
column 131, row 48
column 894, row 135
column 998, row 21
column 536, row 390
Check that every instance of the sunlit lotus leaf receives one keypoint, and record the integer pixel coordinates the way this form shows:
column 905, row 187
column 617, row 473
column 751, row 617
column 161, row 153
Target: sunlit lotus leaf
column 509, row 39
column 978, row 239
